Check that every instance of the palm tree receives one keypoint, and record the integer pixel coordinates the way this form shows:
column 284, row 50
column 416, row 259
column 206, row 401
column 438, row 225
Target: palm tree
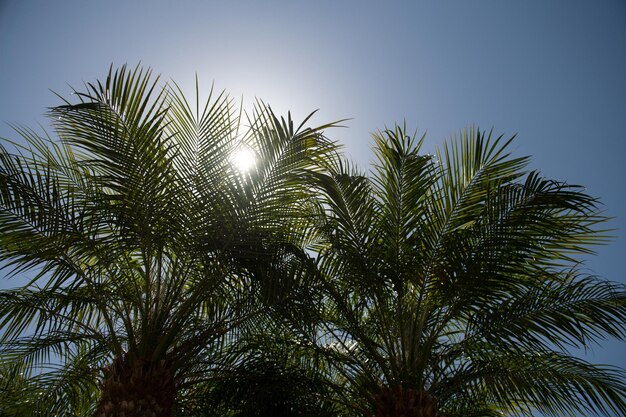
column 453, row 285
column 148, row 251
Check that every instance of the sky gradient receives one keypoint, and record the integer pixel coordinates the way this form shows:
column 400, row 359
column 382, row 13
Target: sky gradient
column 554, row 73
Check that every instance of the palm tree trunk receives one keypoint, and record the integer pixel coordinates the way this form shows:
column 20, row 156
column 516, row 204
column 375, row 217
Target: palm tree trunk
column 137, row 388
column 405, row 402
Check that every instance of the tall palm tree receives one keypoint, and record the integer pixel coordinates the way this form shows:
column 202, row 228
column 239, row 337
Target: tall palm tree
column 453, row 285
column 148, row 249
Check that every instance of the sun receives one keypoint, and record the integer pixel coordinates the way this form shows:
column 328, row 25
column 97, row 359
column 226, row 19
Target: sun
column 243, row 159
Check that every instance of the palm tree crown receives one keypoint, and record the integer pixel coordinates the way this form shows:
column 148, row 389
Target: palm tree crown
column 452, row 286
column 150, row 249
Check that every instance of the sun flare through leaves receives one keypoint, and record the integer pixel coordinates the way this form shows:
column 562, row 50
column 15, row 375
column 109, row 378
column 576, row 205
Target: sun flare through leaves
column 243, row 159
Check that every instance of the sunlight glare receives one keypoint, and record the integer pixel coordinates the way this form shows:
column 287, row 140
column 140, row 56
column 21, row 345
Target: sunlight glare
column 243, row 159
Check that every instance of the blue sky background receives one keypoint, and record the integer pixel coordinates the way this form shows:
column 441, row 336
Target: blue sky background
column 554, row 72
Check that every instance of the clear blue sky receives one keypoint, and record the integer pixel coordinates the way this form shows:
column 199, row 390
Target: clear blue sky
column 552, row 71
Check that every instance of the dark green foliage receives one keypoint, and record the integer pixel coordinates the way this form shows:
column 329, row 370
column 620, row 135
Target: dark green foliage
column 435, row 285
column 271, row 376
column 456, row 275
column 148, row 245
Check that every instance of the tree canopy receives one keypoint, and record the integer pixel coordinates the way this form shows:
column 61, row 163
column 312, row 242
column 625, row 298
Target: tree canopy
column 165, row 280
